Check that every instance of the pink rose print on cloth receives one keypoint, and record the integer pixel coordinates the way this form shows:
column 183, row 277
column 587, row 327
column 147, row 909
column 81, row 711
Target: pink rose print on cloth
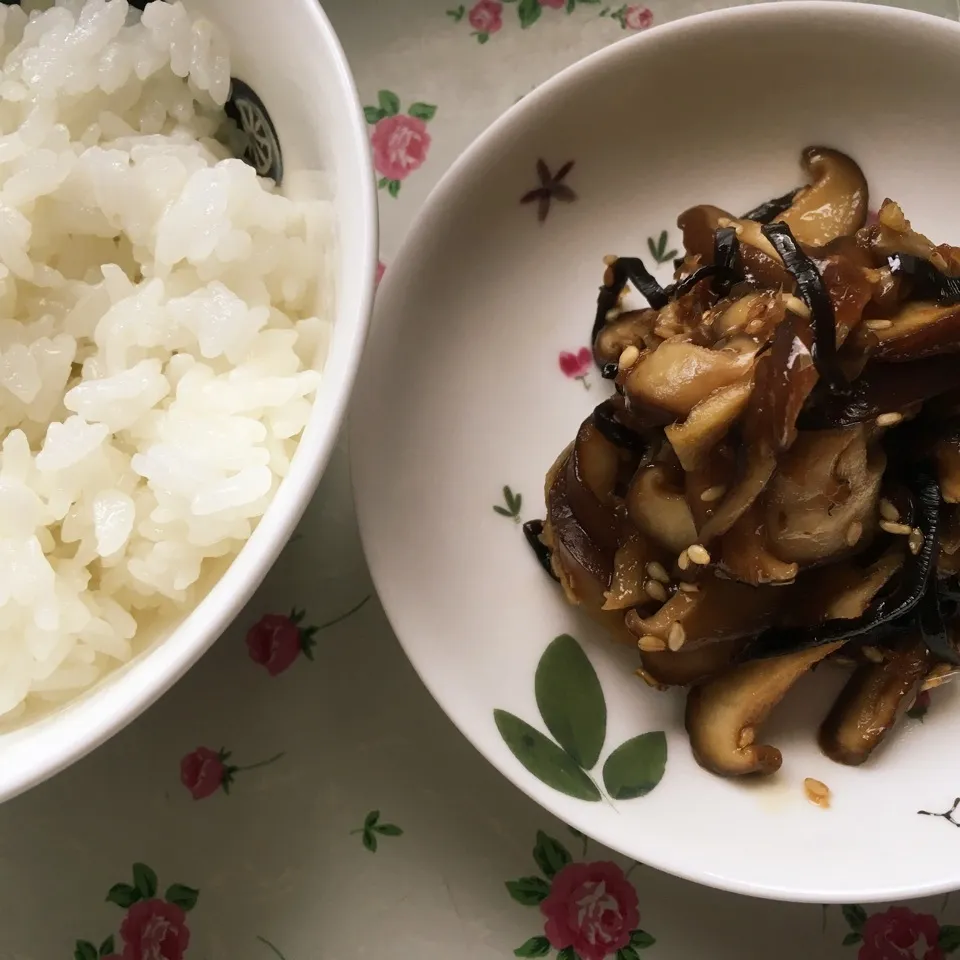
column 154, row 930
column 154, row 927
column 276, row 639
column 485, row 17
column 590, row 909
column 204, row 771
column 400, row 141
column 577, row 365
column 631, row 17
column 899, row 934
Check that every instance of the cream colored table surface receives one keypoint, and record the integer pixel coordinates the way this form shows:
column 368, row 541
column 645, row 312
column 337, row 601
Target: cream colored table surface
column 321, row 807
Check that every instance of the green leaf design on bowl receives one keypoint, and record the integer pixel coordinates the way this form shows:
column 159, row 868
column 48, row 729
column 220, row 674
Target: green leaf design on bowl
column 543, row 758
column 571, row 701
column 636, row 766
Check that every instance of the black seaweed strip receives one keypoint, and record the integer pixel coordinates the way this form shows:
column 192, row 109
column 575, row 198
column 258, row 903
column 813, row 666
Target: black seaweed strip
column 604, row 419
column 771, row 209
column 532, row 530
column 896, row 609
column 814, row 294
column 927, row 281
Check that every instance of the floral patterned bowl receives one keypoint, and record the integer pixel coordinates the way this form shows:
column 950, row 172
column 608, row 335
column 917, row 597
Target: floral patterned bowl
column 480, row 373
column 292, row 89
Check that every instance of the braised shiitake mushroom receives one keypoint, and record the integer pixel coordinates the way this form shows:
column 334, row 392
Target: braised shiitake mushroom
column 776, row 480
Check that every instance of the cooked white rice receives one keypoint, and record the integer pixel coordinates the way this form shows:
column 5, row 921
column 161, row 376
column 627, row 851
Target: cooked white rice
column 162, row 318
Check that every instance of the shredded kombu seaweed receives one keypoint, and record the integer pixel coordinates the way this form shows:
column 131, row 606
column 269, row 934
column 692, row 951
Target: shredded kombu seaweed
column 893, row 613
column 814, row 294
column 771, row 209
column 927, row 282
column 606, row 422
column 532, row 530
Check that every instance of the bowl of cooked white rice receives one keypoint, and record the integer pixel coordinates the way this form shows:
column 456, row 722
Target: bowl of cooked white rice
column 187, row 258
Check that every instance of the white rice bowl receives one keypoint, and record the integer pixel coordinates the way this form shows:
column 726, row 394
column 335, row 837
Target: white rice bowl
column 163, row 313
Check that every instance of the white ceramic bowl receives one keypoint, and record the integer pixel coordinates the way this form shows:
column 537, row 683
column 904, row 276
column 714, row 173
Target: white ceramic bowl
column 288, row 53
column 465, row 392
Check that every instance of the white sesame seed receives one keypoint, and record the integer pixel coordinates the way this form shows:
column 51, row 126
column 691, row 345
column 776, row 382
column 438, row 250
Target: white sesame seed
column 796, row 305
column 698, row 554
column 817, row 792
column 889, row 419
column 888, row 511
column 651, row 644
column 612, row 314
column 898, row 529
column 878, row 324
column 655, row 590
column 854, row 532
column 872, row 654
column 747, row 736
column 713, row 493
column 677, row 637
column 915, row 541
column 658, row 571
column 649, row 680
column 628, row 358
column 683, row 561
column 688, row 587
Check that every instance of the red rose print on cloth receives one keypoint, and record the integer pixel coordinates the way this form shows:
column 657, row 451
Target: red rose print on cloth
column 577, row 365
column 590, row 909
column 400, row 141
column 154, row 927
column 276, row 639
column 486, row 17
column 899, row 934
column 154, row 930
column 204, row 771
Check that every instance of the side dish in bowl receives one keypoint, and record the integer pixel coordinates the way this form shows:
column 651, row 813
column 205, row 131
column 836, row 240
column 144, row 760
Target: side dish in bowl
column 776, row 480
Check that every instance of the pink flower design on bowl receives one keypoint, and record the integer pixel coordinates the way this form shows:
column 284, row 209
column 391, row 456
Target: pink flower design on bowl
column 577, row 365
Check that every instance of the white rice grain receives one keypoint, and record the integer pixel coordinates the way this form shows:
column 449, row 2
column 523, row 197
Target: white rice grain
column 163, row 312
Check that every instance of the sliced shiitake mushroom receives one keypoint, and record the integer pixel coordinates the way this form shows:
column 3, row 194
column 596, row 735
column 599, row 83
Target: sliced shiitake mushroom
column 823, row 498
column 724, row 713
column 719, row 610
column 681, row 668
column 919, row 330
column 834, row 205
column 679, row 374
column 659, row 510
column 871, row 702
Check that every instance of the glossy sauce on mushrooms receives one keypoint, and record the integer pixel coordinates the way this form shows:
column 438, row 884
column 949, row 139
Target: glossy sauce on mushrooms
column 776, row 480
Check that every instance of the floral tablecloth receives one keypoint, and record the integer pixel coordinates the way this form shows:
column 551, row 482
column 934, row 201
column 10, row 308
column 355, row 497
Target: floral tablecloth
column 299, row 795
